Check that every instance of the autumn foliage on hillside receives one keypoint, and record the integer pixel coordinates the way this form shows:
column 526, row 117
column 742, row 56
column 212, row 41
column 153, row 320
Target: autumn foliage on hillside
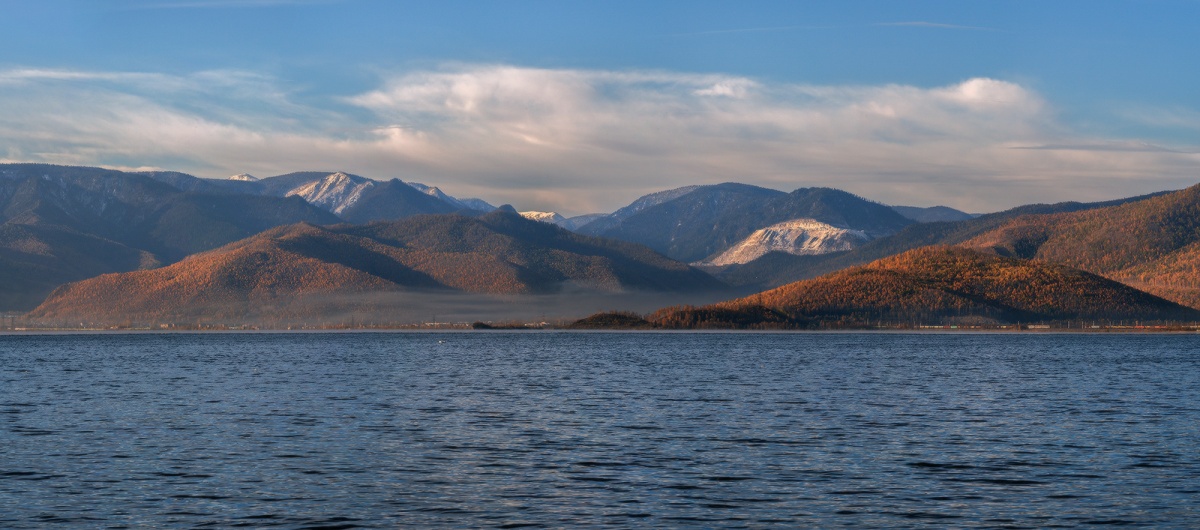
column 778, row 268
column 1153, row 244
column 60, row 224
column 930, row 285
column 288, row 269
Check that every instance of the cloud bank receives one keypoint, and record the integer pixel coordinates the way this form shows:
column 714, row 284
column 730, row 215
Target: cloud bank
column 587, row 140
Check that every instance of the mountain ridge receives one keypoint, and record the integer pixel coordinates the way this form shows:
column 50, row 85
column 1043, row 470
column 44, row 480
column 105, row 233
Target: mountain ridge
column 1153, row 244
column 934, row 285
column 775, row 269
column 50, row 214
column 293, row 267
column 708, row 219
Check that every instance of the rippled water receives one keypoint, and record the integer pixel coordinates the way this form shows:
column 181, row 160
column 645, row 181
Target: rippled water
column 575, row 429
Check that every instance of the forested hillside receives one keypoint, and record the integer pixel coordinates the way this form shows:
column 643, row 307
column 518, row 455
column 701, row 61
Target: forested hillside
column 1153, row 244
column 934, row 285
column 302, row 269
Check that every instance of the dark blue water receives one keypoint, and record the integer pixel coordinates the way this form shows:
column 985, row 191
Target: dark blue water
column 578, row 429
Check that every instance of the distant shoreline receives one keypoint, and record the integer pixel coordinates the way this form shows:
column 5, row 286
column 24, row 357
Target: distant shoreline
column 1145, row 330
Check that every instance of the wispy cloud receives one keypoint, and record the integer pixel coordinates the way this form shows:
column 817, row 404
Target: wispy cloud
column 765, row 29
column 589, row 140
column 225, row 4
column 23, row 75
column 934, row 25
column 1126, row 147
column 1170, row 118
column 772, row 29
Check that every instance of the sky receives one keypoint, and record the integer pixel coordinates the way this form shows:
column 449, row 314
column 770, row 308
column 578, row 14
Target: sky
column 582, row 107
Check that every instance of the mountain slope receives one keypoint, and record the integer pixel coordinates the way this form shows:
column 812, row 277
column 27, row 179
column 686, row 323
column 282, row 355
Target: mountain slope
column 603, row 223
column 304, row 269
column 570, row 223
column 218, row 284
column 393, row 200
column 36, row 259
column 545, row 255
column 359, row 199
column 60, row 224
column 1152, row 244
column 334, row 192
column 796, row 237
column 935, row 285
column 710, row 219
column 462, row 204
column 553, row 218
column 352, row 197
column 574, row 224
column 777, row 268
column 932, row 214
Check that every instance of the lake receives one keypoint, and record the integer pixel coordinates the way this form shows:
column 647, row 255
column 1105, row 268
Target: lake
column 493, row 429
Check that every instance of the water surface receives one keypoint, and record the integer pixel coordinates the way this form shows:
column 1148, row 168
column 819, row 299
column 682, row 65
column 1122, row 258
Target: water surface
column 577, row 429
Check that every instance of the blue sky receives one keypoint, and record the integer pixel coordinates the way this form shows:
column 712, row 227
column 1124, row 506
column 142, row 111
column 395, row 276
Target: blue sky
column 582, row 107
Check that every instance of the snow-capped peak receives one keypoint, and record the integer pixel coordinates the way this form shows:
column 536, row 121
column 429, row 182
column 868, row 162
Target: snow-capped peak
column 335, row 192
column 545, row 217
column 432, row 191
column 470, row 204
column 798, row 236
column 477, row 204
column 244, row 177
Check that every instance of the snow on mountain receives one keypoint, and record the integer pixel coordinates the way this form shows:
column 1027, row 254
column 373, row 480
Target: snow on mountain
column 574, row 223
column 335, row 192
column 799, row 237
column 470, row 204
column 477, row 204
column 245, row 177
column 434, row 191
column 570, row 223
column 546, row 217
column 599, row 223
column 653, row 199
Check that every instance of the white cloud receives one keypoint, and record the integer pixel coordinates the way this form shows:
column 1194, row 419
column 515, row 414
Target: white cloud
column 585, row 140
column 735, row 88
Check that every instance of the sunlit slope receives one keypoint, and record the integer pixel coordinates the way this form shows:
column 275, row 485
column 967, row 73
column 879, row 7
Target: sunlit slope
column 303, row 269
column 1153, row 244
column 60, row 224
column 778, row 268
column 935, row 285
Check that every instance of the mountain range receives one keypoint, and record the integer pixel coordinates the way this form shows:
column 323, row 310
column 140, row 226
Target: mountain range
column 237, row 246
column 351, row 197
column 303, row 270
column 777, row 268
column 695, row 223
column 61, row 224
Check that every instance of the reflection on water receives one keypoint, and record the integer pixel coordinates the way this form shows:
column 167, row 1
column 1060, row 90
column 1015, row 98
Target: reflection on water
column 572, row 429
